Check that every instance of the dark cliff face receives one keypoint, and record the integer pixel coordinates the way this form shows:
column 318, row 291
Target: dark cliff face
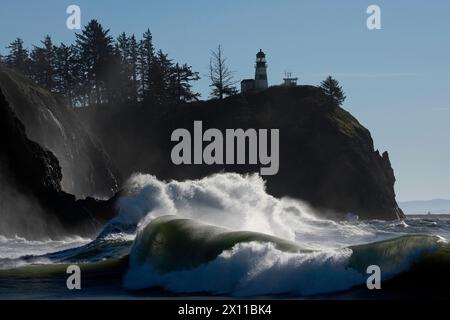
column 86, row 168
column 32, row 204
column 327, row 157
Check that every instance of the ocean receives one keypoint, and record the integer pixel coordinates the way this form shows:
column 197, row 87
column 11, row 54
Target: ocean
column 224, row 236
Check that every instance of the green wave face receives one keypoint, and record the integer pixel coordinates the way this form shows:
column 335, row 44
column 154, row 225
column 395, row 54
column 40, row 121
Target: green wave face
column 394, row 254
column 172, row 244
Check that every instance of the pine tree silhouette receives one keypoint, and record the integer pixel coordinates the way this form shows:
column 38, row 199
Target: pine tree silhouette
column 18, row 57
column 333, row 90
column 97, row 70
column 96, row 52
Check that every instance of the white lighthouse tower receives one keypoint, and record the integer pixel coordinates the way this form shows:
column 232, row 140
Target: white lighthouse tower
column 261, row 82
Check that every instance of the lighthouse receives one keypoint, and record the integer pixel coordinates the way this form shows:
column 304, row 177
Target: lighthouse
column 261, row 82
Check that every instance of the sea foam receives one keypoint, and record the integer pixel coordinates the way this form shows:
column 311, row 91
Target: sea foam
column 237, row 202
column 241, row 203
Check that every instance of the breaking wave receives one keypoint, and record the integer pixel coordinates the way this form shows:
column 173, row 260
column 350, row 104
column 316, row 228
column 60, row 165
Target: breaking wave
column 225, row 235
column 232, row 201
column 182, row 255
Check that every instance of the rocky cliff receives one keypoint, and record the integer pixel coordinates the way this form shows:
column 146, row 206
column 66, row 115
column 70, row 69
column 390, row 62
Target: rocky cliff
column 327, row 157
column 86, row 168
column 32, row 203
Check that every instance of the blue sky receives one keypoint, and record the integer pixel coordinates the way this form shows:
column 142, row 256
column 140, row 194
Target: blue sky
column 397, row 79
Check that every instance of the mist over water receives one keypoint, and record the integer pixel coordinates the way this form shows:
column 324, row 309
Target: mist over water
column 21, row 214
column 13, row 248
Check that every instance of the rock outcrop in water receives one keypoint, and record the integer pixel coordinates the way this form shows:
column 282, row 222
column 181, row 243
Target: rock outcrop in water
column 86, row 168
column 32, row 203
column 327, row 157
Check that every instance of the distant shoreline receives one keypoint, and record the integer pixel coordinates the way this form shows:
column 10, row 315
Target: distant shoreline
column 422, row 207
column 432, row 215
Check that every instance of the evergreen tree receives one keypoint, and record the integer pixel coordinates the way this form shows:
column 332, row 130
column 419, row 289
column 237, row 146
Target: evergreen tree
column 122, row 45
column 183, row 88
column 172, row 83
column 221, row 77
column 82, row 89
column 123, row 72
column 162, row 79
column 97, row 69
column 146, row 57
column 18, row 57
column 127, row 49
column 333, row 90
column 67, row 73
column 96, row 53
column 62, row 69
column 43, row 61
column 133, row 61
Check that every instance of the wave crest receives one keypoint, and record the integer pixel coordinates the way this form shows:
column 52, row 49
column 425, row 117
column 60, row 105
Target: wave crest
column 233, row 201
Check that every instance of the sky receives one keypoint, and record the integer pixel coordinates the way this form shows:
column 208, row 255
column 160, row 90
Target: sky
column 396, row 79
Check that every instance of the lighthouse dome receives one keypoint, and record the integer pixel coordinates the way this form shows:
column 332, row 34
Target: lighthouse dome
column 260, row 54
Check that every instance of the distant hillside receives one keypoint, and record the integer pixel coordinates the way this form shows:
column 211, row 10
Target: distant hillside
column 436, row 206
column 327, row 157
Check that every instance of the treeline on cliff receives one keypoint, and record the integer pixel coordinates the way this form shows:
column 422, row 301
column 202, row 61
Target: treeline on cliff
column 98, row 69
